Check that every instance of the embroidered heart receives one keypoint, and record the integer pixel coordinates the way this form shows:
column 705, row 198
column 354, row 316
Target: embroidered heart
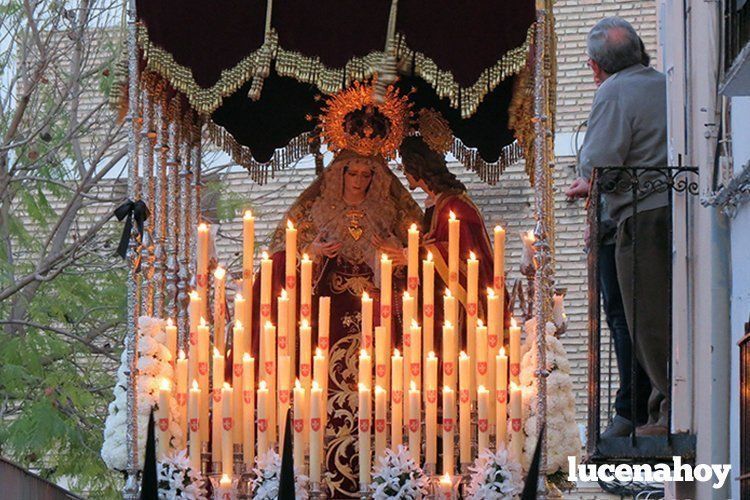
column 305, row 310
column 269, row 367
column 356, row 232
column 415, row 369
column 502, row 396
column 284, row 396
column 471, row 309
column 380, row 370
column 323, row 342
column 492, row 340
column 217, row 394
column 193, row 338
column 482, row 367
column 265, row 310
column 398, row 396
column 464, row 395
column 202, row 281
column 413, row 282
column 203, row 368
column 181, row 398
column 368, row 341
column 304, row 369
column 407, row 339
column 431, row 396
column 247, row 273
column 282, row 342
column 499, row 280
column 448, row 368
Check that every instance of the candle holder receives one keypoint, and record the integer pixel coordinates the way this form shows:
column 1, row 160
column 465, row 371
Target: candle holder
column 239, row 464
column 205, row 459
column 316, row 490
column 364, row 492
column 438, row 492
column 430, row 469
column 223, row 492
column 244, row 490
column 217, row 468
column 465, row 478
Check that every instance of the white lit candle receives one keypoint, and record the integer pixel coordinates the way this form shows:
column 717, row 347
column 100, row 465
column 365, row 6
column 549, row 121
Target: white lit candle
column 412, row 268
column 472, row 299
column 218, row 415
column 450, row 307
column 494, row 341
column 299, row 427
column 201, row 274
column 283, row 375
column 365, row 416
column 415, row 423
column 515, row 351
column 450, row 356
column 501, row 397
column 194, row 313
column 171, row 330
column 225, row 490
column 290, row 286
column 316, row 432
column 163, row 419
column 366, row 340
column 248, row 409
column 181, row 381
column 227, row 434
column 381, row 438
column 454, row 228
column 515, row 422
column 431, row 391
column 386, row 296
column 397, row 399
column 269, row 375
column 266, row 286
column 263, row 421
column 381, row 356
column 238, row 366
column 365, row 369
column 483, row 421
column 449, row 430
column 220, row 305
column 194, row 425
column 248, row 254
column 203, row 345
column 445, row 487
column 464, row 406
column 428, row 303
column 305, row 308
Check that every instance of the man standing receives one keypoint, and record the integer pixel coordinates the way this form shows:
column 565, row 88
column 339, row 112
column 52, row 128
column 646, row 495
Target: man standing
column 627, row 127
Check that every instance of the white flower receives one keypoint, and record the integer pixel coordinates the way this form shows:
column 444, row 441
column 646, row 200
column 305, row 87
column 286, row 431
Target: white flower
column 397, row 475
column 177, row 479
column 266, row 475
column 495, row 476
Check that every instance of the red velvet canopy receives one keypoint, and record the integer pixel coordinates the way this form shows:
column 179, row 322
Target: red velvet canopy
column 461, row 57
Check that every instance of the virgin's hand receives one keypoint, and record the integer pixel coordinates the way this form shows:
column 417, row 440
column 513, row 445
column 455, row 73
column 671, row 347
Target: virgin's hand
column 325, row 248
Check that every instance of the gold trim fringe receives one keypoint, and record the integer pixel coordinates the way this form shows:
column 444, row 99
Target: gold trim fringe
column 488, row 172
column 297, row 148
column 329, row 80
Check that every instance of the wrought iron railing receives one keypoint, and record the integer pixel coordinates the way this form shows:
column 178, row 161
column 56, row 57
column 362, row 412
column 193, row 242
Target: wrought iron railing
column 638, row 184
column 736, row 29
column 744, row 476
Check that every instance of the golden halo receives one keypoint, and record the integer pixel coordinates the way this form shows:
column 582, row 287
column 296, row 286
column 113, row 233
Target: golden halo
column 435, row 130
column 353, row 120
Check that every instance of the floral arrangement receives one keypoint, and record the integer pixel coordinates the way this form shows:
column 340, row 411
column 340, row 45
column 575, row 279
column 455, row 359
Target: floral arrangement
column 495, row 476
column 563, row 437
column 266, row 475
column 153, row 366
column 178, row 480
column 397, row 475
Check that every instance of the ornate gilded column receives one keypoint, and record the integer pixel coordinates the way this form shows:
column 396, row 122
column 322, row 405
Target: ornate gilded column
column 173, row 167
column 131, row 488
column 185, row 231
column 148, row 139
column 160, row 208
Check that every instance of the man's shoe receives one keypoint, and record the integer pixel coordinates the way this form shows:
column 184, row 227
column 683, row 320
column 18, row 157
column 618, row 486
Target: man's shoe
column 651, row 430
column 618, row 427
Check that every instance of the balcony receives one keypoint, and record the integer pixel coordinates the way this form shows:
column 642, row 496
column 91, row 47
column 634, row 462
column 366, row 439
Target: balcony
column 736, row 80
column 634, row 185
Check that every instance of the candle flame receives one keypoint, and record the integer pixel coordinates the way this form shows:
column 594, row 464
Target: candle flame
column 481, row 389
column 305, row 257
column 445, row 478
column 217, row 354
column 246, row 357
column 472, row 256
column 264, row 255
column 238, row 297
column 289, row 224
column 514, row 387
column 181, row 354
column 480, row 323
column 363, row 354
column 196, row 387
column 269, row 324
column 263, row 386
column 530, row 235
column 225, row 479
column 413, row 227
column 365, row 296
column 238, row 325
column 203, row 227
column 396, row 354
column 227, row 387
column 412, row 386
column 502, row 351
column 284, row 295
column 406, row 295
column 248, row 215
column 297, row 384
column 170, row 323
column 318, row 352
column 379, row 390
column 463, row 355
column 431, row 355
column 362, row 387
column 194, row 295
column 220, row 273
column 513, row 323
column 448, row 324
column 384, row 257
column 315, row 385
column 448, row 292
column 447, row 389
column 498, row 228
column 165, row 385
column 202, row 322
column 304, row 324
column 414, row 323
column 429, row 256
column 490, row 292
column 452, row 215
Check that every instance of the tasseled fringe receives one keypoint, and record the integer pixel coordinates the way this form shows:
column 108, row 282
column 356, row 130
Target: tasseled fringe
column 297, row 148
column 488, row 172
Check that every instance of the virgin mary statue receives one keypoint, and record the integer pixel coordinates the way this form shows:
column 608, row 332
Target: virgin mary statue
column 353, row 208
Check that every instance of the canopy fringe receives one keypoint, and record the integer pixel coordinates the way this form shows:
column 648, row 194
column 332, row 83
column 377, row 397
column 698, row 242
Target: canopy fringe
column 488, row 172
column 256, row 67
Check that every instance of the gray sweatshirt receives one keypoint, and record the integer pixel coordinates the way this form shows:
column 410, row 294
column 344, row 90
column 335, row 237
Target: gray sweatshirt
column 628, row 127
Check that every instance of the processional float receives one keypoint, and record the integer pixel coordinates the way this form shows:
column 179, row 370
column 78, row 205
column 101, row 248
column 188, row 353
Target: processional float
column 250, row 75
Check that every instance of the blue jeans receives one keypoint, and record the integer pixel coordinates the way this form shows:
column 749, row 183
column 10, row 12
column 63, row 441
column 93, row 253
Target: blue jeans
column 618, row 327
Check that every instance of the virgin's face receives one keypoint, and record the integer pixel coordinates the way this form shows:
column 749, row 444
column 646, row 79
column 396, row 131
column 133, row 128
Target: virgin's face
column 357, row 179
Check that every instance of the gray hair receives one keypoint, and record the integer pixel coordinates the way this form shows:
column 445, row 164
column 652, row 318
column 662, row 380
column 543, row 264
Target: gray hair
column 614, row 45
